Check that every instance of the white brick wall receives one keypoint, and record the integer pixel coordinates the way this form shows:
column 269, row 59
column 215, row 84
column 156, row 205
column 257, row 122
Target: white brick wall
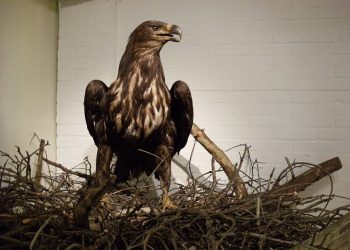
column 273, row 74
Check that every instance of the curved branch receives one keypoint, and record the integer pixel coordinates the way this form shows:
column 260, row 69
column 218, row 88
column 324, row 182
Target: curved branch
column 219, row 155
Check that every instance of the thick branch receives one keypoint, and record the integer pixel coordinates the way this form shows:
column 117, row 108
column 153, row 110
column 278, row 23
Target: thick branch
column 221, row 158
column 88, row 199
column 301, row 182
column 39, row 166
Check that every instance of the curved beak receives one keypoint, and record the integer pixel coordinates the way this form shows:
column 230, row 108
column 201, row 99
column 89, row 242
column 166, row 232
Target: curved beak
column 175, row 33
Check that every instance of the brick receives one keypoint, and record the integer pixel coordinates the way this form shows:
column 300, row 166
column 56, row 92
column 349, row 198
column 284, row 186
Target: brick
column 345, row 37
column 342, row 71
column 75, row 63
column 70, row 95
column 244, row 133
column 279, row 9
column 296, row 133
column 343, row 147
column 271, row 49
column 304, row 109
column 72, row 130
column 297, row 36
column 252, row 84
column 334, row 109
column 312, row 72
column 307, row 146
column 70, row 107
column 328, row 36
column 342, row 24
column 252, row 37
column 292, row 84
column 212, row 96
column 332, row 84
column 312, row 3
column 271, row 145
column 210, row 39
column 233, row 49
column 336, row 134
column 207, row 84
column 252, row 109
column 66, row 52
column 270, row 121
column 253, row 61
column 343, row 96
column 312, row 60
column 222, row 119
column 213, row 108
column 73, row 141
column 302, row 157
column 260, row 96
column 188, row 51
column 70, row 118
column 65, row 74
column 313, row 97
column 324, row 25
column 343, row 121
column 321, row 12
column 313, row 121
column 269, row 72
column 313, row 48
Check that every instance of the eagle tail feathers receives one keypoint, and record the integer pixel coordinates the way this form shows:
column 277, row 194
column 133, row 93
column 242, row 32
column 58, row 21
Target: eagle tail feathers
column 182, row 112
column 95, row 109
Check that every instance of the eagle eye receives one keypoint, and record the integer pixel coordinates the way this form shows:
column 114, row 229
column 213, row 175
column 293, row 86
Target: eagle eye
column 155, row 27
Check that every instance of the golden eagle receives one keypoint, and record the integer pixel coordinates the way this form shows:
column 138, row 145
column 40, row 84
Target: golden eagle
column 138, row 118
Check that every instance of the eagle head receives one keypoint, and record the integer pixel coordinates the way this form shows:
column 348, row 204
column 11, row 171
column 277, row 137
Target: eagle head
column 155, row 34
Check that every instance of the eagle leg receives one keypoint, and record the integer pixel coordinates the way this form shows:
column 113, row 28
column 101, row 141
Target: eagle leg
column 165, row 175
column 103, row 163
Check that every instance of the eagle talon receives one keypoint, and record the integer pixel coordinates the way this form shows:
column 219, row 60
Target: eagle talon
column 167, row 203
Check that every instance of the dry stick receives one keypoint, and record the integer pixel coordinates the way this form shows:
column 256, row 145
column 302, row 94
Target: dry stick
column 57, row 165
column 222, row 159
column 39, row 166
column 213, row 173
column 309, row 177
column 39, row 231
column 264, row 237
column 14, row 241
column 290, row 167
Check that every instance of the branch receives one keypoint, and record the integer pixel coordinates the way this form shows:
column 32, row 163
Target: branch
column 57, row 165
column 219, row 155
column 88, row 199
column 301, row 182
column 39, row 166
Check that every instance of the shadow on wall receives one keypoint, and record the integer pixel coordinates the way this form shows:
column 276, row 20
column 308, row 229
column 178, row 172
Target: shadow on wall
column 70, row 2
column 183, row 164
column 48, row 4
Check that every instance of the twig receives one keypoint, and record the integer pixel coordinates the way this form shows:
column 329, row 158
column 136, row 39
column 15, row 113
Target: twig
column 39, row 231
column 57, row 165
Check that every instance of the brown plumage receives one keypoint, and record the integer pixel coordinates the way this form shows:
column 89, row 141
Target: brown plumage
column 137, row 117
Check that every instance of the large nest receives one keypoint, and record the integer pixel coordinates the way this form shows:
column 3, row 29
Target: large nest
column 37, row 210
